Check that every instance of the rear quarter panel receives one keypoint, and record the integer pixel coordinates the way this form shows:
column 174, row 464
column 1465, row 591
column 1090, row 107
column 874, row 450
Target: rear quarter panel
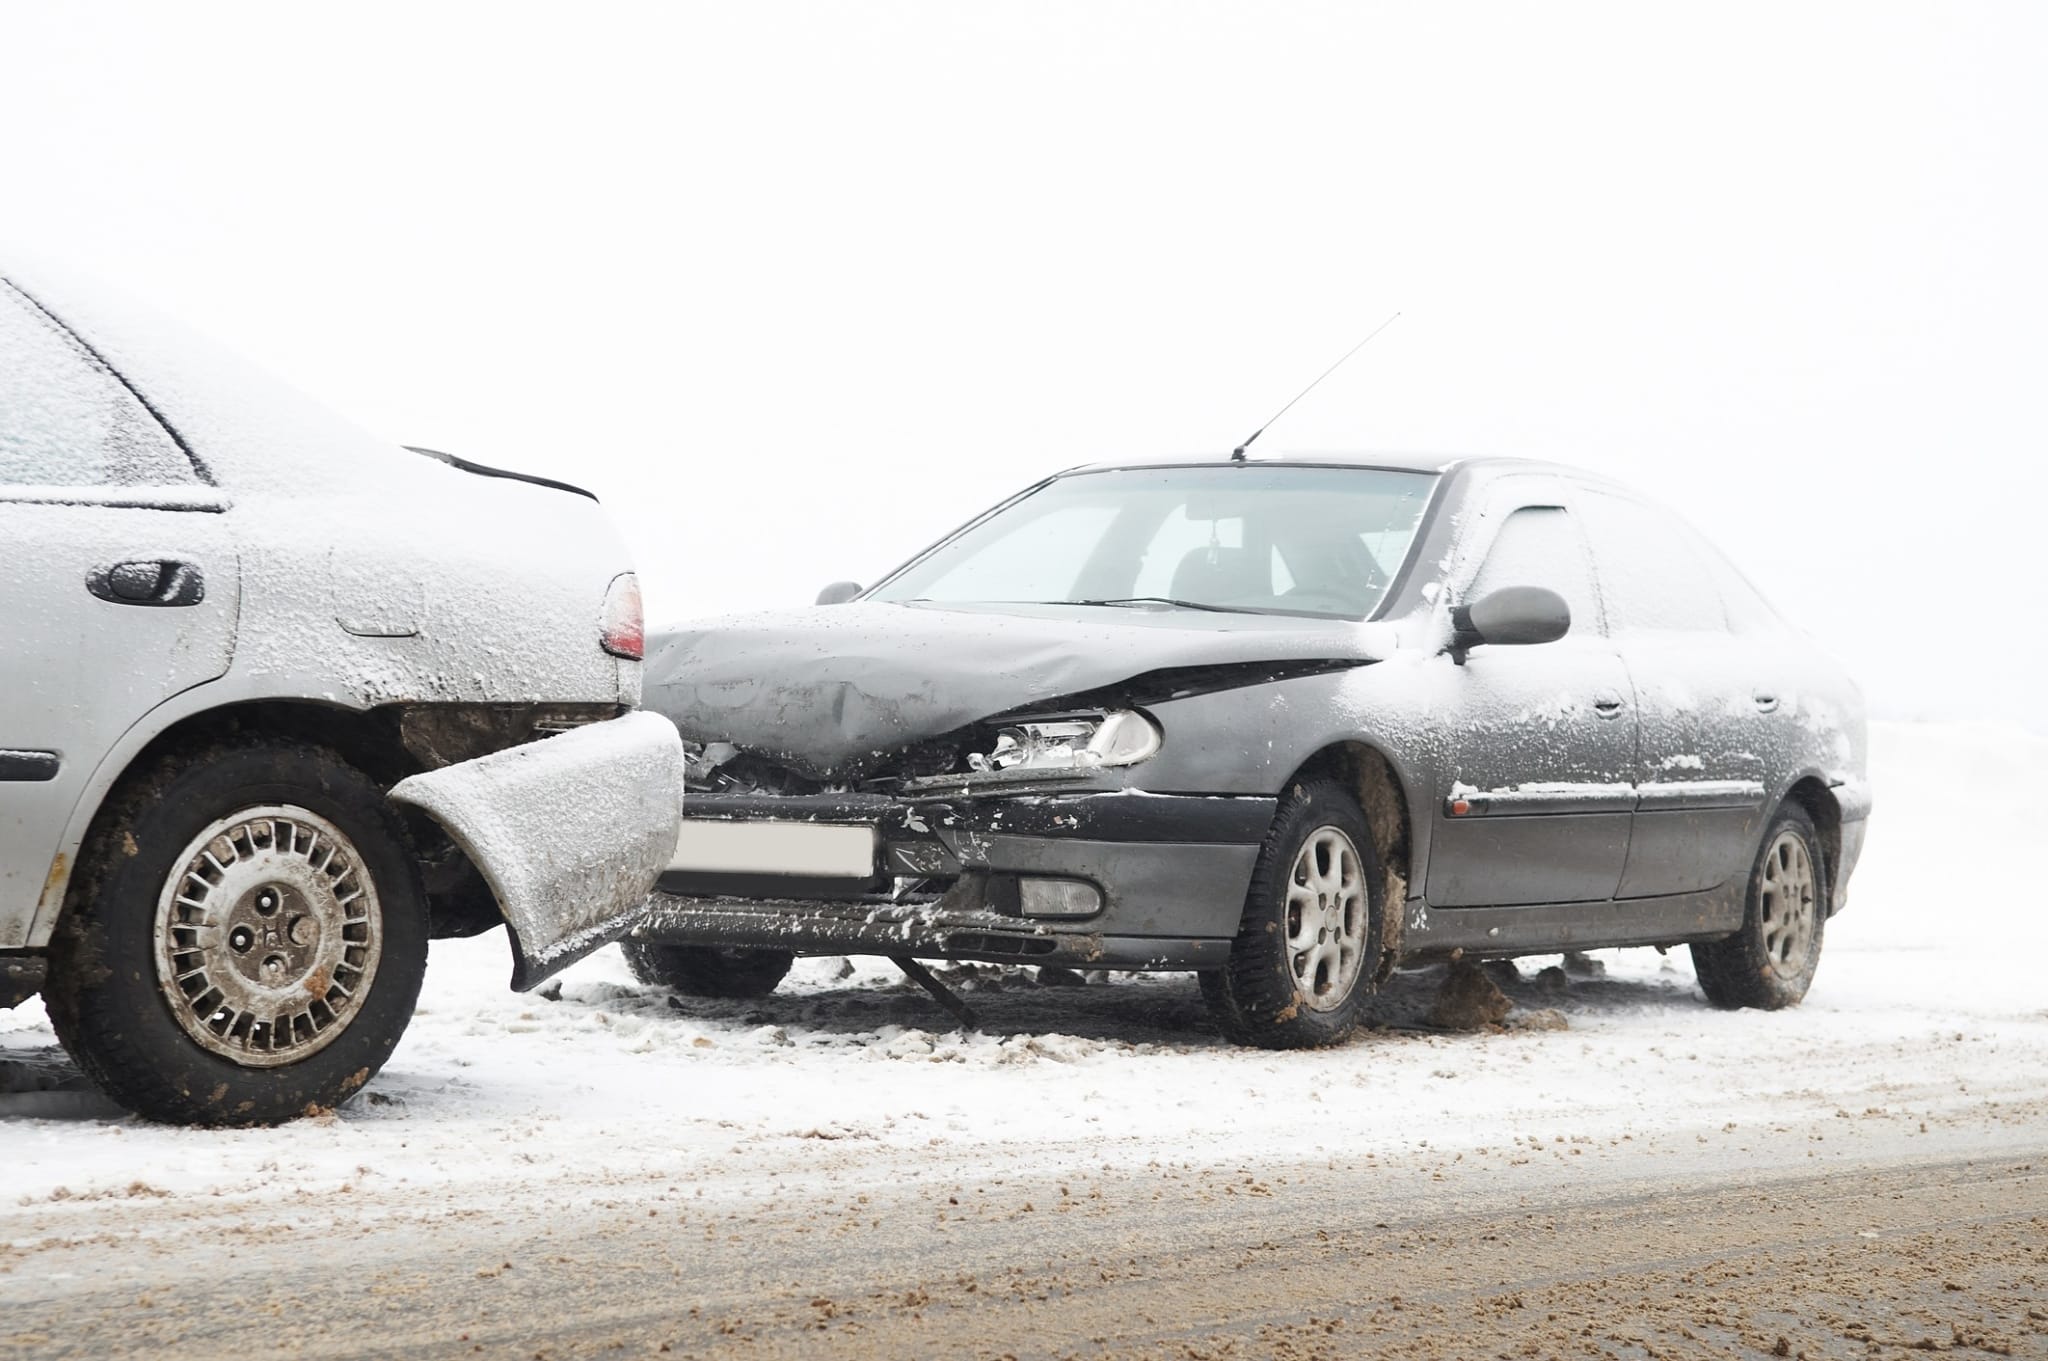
column 1828, row 739
column 434, row 586
column 370, row 575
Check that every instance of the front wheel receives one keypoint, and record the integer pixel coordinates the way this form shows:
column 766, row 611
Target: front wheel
column 1771, row 961
column 244, row 940
column 1308, row 948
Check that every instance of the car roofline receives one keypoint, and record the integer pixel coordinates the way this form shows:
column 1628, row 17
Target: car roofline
column 1378, row 461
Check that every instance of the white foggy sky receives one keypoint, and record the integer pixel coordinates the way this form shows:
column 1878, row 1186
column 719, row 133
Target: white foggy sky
column 798, row 287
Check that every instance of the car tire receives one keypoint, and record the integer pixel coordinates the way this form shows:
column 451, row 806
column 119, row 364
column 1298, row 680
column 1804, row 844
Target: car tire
column 1304, row 961
column 706, row 971
column 244, row 938
column 1771, row 961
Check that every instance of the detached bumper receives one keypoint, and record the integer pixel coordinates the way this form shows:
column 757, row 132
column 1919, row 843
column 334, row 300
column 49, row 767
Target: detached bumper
column 952, row 877
column 570, row 832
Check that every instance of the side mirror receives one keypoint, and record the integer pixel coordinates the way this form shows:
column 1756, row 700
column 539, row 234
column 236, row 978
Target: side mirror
column 1511, row 615
column 839, row 592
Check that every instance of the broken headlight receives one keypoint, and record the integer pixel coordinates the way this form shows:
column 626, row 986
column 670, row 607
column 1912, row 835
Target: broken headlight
column 1121, row 738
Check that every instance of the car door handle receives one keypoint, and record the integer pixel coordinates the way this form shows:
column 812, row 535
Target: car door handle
column 1766, row 701
column 1609, row 704
column 149, row 581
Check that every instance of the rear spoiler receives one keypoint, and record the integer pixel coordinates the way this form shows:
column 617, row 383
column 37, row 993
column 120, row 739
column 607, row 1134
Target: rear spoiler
column 484, row 470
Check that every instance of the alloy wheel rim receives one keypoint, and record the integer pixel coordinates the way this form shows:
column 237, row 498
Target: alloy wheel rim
column 1327, row 911
column 268, row 935
column 1788, row 904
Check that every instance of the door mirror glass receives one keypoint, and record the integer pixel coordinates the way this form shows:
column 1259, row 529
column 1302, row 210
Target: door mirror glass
column 839, row 592
column 1511, row 615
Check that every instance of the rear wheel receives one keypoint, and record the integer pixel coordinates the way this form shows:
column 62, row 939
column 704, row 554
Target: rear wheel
column 1771, row 961
column 706, row 971
column 1303, row 963
column 244, row 939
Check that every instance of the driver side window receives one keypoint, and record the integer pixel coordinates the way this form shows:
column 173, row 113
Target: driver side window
column 1542, row 546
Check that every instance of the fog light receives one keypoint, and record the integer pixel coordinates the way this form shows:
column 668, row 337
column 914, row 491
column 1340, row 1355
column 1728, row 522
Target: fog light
column 1058, row 898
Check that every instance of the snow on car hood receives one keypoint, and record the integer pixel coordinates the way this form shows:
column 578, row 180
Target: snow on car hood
column 829, row 689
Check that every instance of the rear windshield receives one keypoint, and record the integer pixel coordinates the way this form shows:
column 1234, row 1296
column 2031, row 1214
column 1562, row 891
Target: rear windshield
column 1250, row 538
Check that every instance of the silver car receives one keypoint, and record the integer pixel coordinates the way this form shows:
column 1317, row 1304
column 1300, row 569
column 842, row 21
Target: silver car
column 1288, row 723
column 270, row 697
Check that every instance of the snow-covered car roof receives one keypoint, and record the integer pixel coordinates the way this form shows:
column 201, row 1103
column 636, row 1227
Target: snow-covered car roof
column 244, row 427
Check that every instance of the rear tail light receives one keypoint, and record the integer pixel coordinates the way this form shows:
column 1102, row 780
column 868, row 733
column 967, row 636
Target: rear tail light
column 622, row 628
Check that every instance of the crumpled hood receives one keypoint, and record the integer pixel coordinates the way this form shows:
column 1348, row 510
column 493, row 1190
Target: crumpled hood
column 828, row 690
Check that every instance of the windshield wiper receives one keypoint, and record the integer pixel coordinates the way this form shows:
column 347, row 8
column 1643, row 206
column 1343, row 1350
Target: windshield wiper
column 1162, row 600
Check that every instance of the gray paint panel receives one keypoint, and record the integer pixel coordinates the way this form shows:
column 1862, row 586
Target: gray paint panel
column 1505, row 861
column 1686, row 850
column 1179, row 890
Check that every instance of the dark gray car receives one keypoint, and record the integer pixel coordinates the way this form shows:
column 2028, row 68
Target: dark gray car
column 1290, row 723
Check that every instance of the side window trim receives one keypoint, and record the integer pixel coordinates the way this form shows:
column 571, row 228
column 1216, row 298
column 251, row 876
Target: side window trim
column 171, row 432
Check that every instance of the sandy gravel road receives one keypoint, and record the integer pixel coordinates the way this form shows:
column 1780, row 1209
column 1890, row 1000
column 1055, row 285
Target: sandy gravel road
column 1853, row 1238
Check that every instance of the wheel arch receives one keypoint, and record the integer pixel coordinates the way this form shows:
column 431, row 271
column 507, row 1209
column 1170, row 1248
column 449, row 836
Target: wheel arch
column 1813, row 794
column 367, row 739
column 372, row 740
column 1371, row 775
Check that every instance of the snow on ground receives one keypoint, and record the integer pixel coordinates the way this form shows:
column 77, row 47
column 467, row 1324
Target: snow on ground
column 1929, row 1007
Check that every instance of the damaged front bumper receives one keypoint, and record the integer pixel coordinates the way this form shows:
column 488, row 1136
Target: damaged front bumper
column 569, row 832
column 1107, row 878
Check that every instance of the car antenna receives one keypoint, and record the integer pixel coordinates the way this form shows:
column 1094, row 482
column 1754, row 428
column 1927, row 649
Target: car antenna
column 1237, row 454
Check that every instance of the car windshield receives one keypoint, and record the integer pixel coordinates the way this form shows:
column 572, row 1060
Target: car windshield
column 1243, row 538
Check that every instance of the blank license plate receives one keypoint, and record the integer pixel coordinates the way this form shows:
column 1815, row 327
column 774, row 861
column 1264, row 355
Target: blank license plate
column 812, row 849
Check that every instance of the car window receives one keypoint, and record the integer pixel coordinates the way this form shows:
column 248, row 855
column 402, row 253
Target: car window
column 65, row 421
column 1025, row 561
column 1542, row 546
column 1748, row 611
column 1177, row 537
column 1654, row 573
column 1283, row 580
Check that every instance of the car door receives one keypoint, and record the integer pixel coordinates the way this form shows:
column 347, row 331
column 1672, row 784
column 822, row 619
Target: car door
column 1702, row 696
column 120, row 586
column 1537, row 788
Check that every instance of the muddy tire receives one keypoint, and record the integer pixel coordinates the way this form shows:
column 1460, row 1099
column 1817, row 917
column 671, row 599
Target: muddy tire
column 1771, row 961
column 244, row 937
column 705, row 971
column 1302, row 966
